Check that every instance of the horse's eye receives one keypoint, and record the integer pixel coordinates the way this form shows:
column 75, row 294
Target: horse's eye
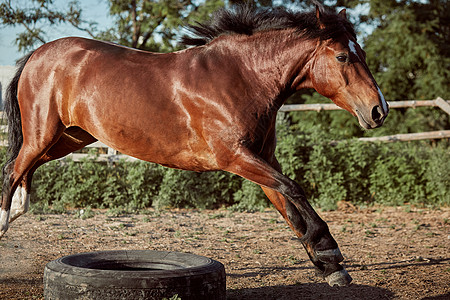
column 342, row 58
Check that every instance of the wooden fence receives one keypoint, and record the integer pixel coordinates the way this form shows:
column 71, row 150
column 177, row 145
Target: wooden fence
column 111, row 155
column 438, row 102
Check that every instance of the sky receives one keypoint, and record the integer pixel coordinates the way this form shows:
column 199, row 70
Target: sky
column 93, row 10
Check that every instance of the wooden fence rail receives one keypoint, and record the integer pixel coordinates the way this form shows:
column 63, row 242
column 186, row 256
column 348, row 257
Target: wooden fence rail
column 112, row 155
column 438, row 102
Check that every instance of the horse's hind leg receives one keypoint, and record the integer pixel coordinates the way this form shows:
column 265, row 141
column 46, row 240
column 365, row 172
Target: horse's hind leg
column 32, row 150
column 290, row 200
column 20, row 201
column 71, row 140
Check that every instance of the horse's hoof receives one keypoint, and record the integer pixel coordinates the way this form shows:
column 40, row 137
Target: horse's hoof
column 339, row 278
column 3, row 230
column 330, row 256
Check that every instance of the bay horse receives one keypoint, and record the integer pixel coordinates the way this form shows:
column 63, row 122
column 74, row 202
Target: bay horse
column 209, row 107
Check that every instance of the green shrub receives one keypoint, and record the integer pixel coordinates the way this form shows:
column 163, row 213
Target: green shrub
column 436, row 170
column 249, row 197
column 363, row 173
column 191, row 189
column 143, row 181
column 357, row 160
column 396, row 177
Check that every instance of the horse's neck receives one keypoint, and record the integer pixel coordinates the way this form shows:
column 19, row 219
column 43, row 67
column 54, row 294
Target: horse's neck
column 274, row 61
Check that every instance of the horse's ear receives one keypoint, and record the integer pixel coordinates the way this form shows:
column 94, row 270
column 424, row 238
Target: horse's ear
column 343, row 13
column 318, row 14
column 319, row 17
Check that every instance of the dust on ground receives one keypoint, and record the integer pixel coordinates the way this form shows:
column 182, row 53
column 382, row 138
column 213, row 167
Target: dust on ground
column 391, row 253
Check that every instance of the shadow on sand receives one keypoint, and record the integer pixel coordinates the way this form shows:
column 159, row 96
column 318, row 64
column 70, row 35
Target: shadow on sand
column 310, row 291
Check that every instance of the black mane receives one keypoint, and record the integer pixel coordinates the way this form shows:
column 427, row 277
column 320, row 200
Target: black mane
column 245, row 19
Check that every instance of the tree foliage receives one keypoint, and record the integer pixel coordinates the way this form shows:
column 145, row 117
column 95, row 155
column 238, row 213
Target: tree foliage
column 409, row 51
column 154, row 25
column 143, row 24
column 37, row 16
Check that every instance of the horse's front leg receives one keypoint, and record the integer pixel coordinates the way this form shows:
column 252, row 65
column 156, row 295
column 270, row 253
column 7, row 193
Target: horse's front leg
column 289, row 198
column 326, row 261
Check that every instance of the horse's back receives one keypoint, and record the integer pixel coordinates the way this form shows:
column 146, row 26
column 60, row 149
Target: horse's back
column 84, row 78
column 126, row 98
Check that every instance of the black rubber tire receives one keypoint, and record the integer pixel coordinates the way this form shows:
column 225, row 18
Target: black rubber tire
column 134, row 274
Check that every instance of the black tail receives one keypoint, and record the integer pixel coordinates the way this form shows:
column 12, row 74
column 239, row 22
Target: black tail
column 12, row 110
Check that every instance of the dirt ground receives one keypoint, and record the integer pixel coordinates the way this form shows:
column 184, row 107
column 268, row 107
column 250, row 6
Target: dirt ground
column 391, row 253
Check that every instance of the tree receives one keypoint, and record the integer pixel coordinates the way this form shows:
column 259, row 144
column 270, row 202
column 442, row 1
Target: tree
column 409, row 51
column 409, row 54
column 38, row 15
column 144, row 24
column 154, row 25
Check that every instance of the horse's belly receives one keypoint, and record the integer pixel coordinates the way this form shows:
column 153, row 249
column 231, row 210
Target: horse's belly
column 186, row 160
column 181, row 150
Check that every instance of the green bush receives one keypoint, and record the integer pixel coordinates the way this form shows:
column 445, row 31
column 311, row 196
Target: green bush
column 363, row 173
column 250, row 197
column 191, row 189
column 436, row 170
column 415, row 172
column 405, row 180
column 143, row 181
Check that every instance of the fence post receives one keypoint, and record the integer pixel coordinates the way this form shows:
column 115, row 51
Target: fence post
column 112, row 151
column 443, row 105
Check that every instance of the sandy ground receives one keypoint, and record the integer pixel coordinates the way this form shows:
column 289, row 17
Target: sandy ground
column 391, row 253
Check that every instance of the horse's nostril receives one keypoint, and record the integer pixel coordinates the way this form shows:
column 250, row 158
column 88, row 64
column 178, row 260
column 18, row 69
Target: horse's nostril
column 377, row 114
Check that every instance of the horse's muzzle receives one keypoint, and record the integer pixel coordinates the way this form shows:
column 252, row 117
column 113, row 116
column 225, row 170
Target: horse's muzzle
column 373, row 118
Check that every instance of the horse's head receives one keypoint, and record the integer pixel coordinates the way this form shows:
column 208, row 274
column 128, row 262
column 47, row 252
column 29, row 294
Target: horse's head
column 340, row 73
